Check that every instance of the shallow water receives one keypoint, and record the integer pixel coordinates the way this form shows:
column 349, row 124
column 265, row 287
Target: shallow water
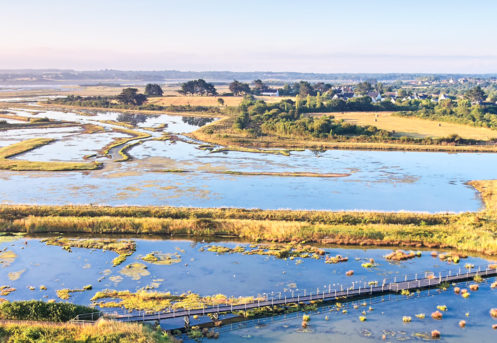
column 375, row 180
column 208, row 273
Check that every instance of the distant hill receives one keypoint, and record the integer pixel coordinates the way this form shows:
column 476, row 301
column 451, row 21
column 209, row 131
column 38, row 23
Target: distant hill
column 47, row 76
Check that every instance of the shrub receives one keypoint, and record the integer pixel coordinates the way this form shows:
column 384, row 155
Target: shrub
column 41, row 311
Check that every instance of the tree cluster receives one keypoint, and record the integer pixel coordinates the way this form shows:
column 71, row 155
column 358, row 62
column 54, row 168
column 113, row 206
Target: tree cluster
column 198, row 87
column 130, row 96
column 153, row 89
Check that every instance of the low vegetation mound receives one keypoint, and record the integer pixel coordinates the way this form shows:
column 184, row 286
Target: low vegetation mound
column 41, row 311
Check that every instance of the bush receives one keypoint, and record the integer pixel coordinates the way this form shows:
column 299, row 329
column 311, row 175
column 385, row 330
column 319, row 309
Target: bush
column 41, row 311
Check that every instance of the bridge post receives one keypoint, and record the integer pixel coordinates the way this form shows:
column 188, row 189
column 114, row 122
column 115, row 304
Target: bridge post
column 359, row 290
column 371, row 290
column 329, row 288
column 187, row 321
column 285, row 299
column 310, row 294
column 347, row 292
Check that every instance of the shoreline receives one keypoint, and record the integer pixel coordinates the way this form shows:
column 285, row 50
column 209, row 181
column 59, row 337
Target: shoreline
column 468, row 231
column 219, row 134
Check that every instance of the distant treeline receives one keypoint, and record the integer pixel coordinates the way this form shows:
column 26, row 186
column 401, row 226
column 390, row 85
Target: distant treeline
column 109, row 102
column 157, row 76
column 287, row 119
column 461, row 111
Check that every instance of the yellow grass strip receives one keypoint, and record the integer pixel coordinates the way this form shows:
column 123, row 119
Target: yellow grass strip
column 488, row 192
column 30, row 144
column 135, row 135
column 24, row 146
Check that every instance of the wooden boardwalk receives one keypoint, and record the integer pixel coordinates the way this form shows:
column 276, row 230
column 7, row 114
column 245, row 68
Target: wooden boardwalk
column 410, row 284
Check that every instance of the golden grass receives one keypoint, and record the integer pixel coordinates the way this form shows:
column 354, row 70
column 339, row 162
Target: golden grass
column 414, row 127
column 182, row 100
column 24, row 146
column 221, row 133
column 472, row 232
column 102, row 331
column 475, row 232
column 30, row 144
column 14, row 116
column 488, row 192
column 135, row 135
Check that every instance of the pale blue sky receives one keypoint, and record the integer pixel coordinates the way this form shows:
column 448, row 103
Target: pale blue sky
column 308, row 36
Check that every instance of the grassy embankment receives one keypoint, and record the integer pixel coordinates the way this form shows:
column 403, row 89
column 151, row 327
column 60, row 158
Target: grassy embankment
column 30, row 144
column 469, row 232
column 125, row 143
column 221, row 132
column 36, row 321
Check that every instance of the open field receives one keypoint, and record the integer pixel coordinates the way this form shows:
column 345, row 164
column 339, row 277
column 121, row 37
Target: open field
column 207, row 100
column 222, row 133
column 414, row 127
column 470, row 232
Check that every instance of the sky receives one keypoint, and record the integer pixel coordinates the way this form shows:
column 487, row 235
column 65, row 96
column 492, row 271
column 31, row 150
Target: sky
column 428, row 36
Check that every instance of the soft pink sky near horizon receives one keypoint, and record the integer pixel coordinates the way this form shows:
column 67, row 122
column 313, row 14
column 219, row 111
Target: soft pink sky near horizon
column 315, row 36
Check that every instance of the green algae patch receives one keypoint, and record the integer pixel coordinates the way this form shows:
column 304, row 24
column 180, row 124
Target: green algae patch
column 124, row 248
column 135, row 271
column 153, row 301
column 162, row 258
column 6, row 290
column 13, row 276
column 65, row 293
column 290, row 250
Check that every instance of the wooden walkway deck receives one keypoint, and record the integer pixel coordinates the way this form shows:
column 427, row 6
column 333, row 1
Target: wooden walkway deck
column 409, row 283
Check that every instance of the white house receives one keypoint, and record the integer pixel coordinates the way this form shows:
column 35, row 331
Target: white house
column 271, row 93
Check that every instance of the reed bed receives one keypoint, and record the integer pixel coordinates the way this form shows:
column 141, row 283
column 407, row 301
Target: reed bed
column 102, row 331
column 469, row 232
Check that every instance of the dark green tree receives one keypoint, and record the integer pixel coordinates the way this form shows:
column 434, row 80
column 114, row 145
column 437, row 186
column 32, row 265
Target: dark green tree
column 198, row 87
column 259, row 87
column 475, row 94
column 130, row 96
column 305, row 89
column 363, row 88
column 153, row 89
column 239, row 88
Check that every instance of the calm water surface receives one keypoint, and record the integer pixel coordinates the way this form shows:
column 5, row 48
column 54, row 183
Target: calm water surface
column 377, row 180
column 208, row 273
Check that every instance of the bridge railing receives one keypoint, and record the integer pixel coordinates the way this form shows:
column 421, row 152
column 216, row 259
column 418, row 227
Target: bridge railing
column 358, row 287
